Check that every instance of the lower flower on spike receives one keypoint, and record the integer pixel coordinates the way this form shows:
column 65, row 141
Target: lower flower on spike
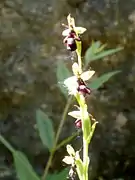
column 78, row 123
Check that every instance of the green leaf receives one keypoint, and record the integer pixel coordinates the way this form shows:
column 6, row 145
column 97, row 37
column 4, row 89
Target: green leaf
column 62, row 74
column 105, row 53
column 80, row 167
column 95, row 52
column 67, row 140
column 45, row 128
column 92, row 132
column 91, row 51
column 23, row 167
column 58, row 176
column 102, row 79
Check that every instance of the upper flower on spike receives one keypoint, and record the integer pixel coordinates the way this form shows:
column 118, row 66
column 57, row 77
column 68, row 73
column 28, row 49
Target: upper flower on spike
column 77, row 83
column 71, row 26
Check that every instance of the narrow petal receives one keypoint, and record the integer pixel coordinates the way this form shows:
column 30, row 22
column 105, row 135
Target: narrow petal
column 80, row 30
column 68, row 160
column 66, row 32
column 87, row 75
column 71, row 21
column 75, row 68
column 75, row 114
column 71, row 84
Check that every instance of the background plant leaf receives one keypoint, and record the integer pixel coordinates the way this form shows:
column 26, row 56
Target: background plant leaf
column 62, row 74
column 68, row 139
column 95, row 84
column 96, row 52
column 58, row 176
column 91, row 51
column 45, row 128
column 23, row 167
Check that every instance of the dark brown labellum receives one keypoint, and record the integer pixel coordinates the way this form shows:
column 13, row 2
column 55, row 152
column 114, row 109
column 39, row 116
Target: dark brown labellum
column 70, row 40
column 84, row 90
column 78, row 123
column 71, row 44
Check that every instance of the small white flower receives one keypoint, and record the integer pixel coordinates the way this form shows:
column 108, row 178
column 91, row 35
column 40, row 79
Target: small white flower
column 72, row 82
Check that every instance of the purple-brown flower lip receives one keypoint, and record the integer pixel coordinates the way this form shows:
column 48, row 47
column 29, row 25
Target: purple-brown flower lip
column 84, row 90
column 78, row 123
column 77, row 83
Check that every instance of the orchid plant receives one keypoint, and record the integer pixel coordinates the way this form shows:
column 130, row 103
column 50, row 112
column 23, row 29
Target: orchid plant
column 77, row 87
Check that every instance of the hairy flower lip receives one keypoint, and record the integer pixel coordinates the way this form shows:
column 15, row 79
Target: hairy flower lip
column 84, row 90
column 77, row 84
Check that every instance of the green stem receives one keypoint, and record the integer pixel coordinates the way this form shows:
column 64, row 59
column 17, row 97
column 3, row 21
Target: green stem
column 85, row 142
column 63, row 118
column 81, row 101
column 6, row 143
column 57, row 137
column 78, row 51
column 80, row 63
column 67, row 140
column 85, row 159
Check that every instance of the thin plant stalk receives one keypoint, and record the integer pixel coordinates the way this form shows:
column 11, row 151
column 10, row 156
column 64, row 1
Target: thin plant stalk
column 85, row 142
column 57, row 137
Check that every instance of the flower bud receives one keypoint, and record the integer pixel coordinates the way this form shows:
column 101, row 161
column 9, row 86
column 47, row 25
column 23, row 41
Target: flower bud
column 70, row 150
column 75, row 69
